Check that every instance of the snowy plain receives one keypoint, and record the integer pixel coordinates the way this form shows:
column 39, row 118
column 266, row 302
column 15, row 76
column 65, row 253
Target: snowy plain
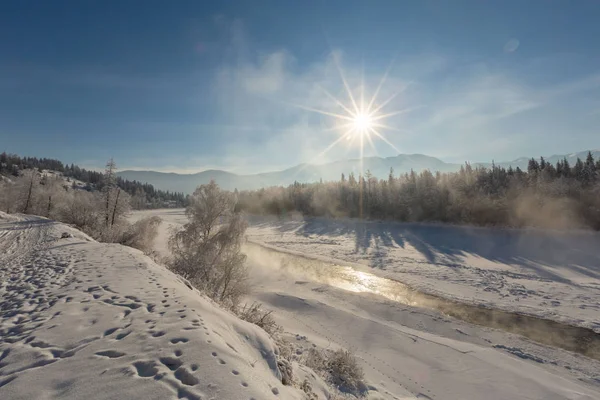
column 408, row 351
column 86, row 320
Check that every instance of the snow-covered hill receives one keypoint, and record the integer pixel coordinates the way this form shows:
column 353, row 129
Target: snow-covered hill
column 86, row 320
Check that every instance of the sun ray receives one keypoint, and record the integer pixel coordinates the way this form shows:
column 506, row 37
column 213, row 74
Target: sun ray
column 391, row 114
column 381, row 82
column 332, row 97
column 338, row 127
column 362, row 90
column 389, row 99
column 380, row 136
column 321, row 154
column 363, row 124
column 389, row 128
column 330, row 114
column 348, row 91
column 362, row 146
column 370, row 140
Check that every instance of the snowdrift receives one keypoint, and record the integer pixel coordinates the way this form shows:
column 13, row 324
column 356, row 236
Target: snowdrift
column 81, row 319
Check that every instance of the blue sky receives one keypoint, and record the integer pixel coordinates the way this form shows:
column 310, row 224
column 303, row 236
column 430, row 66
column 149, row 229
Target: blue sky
column 189, row 85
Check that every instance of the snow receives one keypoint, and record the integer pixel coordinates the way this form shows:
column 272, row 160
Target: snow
column 406, row 351
column 81, row 319
column 553, row 275
column 67, row 181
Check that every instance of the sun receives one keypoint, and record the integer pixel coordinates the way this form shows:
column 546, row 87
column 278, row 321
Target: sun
column 362, row 123
column 359, row 120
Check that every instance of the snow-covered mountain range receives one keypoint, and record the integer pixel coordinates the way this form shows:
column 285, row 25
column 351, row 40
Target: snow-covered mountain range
column 378, row 166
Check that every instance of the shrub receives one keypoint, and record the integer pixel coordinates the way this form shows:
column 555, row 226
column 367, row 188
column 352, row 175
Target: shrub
column 339, row 367
column 344, row 371
column 255, row 314
column 141, row 234
column 207, row 250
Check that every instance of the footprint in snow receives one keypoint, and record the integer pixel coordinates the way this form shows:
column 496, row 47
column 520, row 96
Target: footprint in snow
column 146, row 369
column 110, row 354
column 110, row 331
column 171, row 362
column 122, row 335
column 185, row 377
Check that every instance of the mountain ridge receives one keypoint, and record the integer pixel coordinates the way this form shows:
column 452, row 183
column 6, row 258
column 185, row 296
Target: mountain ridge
column 378, row 166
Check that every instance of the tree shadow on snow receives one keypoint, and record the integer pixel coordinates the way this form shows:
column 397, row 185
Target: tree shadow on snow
column 544, row 253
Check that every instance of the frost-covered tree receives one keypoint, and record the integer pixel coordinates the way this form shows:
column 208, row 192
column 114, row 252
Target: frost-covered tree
column 548, row 196
column 83, row 210
column 207, row 251
column 8, row 196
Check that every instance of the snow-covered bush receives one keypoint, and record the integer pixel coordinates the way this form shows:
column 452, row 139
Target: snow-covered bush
column 314, row 359
column 344, row 371
column 8, row 196
column 81, row 209
column 141, row 234
column 255, row 314
column 207, row 251
column 339, row 367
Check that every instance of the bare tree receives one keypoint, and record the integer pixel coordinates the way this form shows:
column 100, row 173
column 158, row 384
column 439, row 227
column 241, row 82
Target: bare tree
column 207, row 250
column 109, row 185
column 29, row 181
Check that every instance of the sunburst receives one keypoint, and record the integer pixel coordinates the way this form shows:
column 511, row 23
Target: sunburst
column 358, row 120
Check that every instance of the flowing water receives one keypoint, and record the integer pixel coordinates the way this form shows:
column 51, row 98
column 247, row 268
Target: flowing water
column 577, row 339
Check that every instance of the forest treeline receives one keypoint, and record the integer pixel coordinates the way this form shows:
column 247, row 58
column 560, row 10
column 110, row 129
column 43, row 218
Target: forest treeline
column 546, row 195
column 143, row 195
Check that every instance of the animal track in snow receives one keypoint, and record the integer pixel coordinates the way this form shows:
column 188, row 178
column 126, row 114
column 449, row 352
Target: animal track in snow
column 179, row 340
column 171, row 362
column 185, row 377
column 110, row 331
column 145, row 369
column 41, row 344
column 110, row 354
column 122, row 335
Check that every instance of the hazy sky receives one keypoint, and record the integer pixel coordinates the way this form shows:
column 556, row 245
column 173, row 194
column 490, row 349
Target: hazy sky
column 189, row 85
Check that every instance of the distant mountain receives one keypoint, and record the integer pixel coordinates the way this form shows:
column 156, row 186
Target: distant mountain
column 378, row 166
